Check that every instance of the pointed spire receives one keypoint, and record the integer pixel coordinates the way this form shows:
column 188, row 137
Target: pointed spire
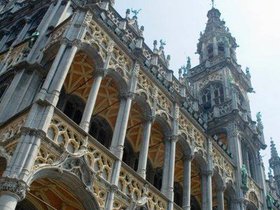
column 213, row 3
column 274, row 153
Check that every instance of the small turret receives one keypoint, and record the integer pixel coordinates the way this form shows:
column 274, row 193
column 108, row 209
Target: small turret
column 216, row 41
column 274, row 163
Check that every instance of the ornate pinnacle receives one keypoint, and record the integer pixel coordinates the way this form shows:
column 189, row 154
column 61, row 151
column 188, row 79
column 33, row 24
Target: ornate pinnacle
column 155, row 46
column 274, row 153
column 213, row 3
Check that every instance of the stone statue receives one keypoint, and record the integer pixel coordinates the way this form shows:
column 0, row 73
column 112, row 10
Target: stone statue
column 162, row 44
column 135, row 12
column 248, row 72
column 189, row 65
column 259, row 117
column 269, row 202
column 259, row 120
column 244, row 176
column 33, row 38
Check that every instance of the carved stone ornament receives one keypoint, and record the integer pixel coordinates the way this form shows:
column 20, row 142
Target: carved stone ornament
column 14, row 186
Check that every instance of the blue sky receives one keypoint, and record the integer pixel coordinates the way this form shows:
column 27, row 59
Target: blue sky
column 255, row 25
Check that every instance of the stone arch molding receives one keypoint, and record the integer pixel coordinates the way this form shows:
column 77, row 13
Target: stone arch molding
column 72, row 171
column 4, row 154
column 141, row 203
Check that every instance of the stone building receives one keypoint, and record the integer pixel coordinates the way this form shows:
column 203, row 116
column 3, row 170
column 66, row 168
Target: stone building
column 92, row 118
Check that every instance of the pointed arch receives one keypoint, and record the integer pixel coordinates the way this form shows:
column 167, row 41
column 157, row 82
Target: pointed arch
column 51, row 178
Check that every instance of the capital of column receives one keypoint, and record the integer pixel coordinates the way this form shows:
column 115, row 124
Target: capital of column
column 149, row 118
column 100, row 72
column 15, row 187
column 127, row 95
column 173, row 138
column 33, row 132
column 188, row 157
column 76, row 42
column 207, row 172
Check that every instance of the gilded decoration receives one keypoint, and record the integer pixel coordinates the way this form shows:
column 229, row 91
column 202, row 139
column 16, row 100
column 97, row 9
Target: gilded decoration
column 224, row 167
column 64, row 135
column 100, row 194
column 15, row 55
column 135, row 189
column 145, row 88
column 193, row 133
column 45, row 156
column 254, row 193
column 12, row 129
column 217, row 76
column 119, row 204
column 57, row 33
column 120, row 62
column 98, row 39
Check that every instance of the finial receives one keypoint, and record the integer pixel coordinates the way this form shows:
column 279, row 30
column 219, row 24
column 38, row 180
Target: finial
column 189, row 65
column 155, row 46
column 213, row 3
column 162, row 44
column 127, row 13
column 135, row 12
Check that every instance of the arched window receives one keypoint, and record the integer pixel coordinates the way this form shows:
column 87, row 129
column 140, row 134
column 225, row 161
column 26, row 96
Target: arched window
column 158, row 178
column 206, row 98
column 73, row 106
column 221, row 48
column 210, row 51
column 212, row 95
column 15, row 31
column 252, row 164
column 178, row 194
column 194, row 203
column 3, row 88
column 128, row 154
column 101, row 131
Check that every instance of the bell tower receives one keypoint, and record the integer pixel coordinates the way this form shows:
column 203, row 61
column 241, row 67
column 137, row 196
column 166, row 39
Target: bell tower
column 222, row 87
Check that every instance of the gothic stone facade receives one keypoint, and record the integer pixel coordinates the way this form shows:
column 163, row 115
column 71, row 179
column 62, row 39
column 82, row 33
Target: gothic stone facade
column 92, row 118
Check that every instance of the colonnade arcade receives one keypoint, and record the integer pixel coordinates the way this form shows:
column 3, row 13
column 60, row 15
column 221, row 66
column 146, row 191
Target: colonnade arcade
column 148, row 136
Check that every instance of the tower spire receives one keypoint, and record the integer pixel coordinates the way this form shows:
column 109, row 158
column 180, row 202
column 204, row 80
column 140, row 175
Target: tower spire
column 213, row 3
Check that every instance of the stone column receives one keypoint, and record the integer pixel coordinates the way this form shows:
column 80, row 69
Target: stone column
column 61, row 73
column 99, row 74
column 52, row 71
column 206, row 177
column 143, row 156
column 187, row 183
column 120, row 133
column 85, row 122
column 215, row 46
column 169, row 169
column 204, row 52
column 11, row 192
column 220, row 198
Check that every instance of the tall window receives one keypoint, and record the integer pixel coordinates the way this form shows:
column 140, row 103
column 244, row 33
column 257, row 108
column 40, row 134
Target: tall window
column 212, row 95
column 221, row 48
column 15, row 31
column 210, row 51
column 101, row 131
column 72, row 106
column 3, row 88
column 35, row 21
